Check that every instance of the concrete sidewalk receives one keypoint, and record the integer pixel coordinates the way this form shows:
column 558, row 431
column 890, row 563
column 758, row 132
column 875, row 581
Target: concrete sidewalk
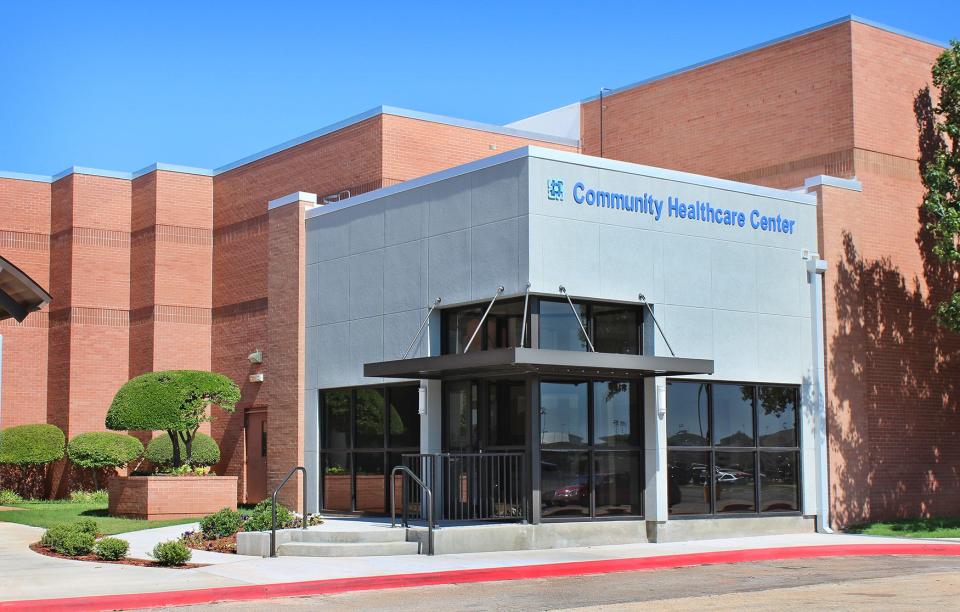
column 28, row 575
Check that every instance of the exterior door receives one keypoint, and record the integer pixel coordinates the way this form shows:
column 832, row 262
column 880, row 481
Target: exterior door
column 256, row 433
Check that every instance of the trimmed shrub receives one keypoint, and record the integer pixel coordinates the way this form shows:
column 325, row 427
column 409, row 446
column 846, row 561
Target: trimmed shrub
column 221, row 524
column 90, row 497
column 171, row 552
column 8, row 497
column 205, row 451
column 86, row 525
column 71, row 539
column 111, row 549
column 260, row 517
column 176, row 401
column 37, row 444
column 97, row 450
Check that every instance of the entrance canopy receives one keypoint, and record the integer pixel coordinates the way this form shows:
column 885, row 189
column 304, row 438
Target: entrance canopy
column 514, row 361
column 19, row 294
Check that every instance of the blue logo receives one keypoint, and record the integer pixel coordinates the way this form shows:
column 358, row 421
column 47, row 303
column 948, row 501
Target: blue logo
column 555, row 189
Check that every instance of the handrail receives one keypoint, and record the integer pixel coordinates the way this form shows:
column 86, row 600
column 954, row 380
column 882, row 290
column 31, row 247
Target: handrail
column 393, row 502
column 273, row 507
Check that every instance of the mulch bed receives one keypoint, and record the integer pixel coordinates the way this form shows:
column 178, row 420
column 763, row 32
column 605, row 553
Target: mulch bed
column 227, row 545
column 43, row 550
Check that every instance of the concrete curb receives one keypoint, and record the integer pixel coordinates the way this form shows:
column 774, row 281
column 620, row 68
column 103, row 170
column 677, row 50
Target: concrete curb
column 369, row 583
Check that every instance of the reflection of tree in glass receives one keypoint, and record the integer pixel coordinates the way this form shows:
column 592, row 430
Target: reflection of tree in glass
column 369, row 413
column 613, row 388
column 775, row 400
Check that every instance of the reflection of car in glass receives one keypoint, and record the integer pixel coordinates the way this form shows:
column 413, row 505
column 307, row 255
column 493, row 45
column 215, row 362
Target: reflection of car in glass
column 612, row 489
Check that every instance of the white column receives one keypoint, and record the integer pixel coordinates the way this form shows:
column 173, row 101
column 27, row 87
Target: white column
column 655, row 448
column 311, row 447
column 816, row 268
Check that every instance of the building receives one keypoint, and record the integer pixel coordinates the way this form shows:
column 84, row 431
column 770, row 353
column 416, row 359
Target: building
column 829, row 122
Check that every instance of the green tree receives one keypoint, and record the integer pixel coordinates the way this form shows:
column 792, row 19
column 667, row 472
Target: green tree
column 941, row 176
column 97, row 450
column 176, row 401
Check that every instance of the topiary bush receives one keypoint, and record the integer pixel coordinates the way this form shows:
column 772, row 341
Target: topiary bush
column 28, row 449
column 97, row 450
column 111, row 549
column 205, row 451
column 260, row 517
column 71, row 539
column 171, row 552
column 175, row 401
column 37, row 444
column 221, row 524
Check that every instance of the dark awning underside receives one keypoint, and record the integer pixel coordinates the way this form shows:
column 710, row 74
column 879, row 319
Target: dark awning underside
column 513, row 361
column 19, row 294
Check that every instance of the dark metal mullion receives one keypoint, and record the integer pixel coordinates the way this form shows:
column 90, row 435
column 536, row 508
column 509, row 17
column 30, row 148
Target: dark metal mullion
column 712, row 455
column 756, row 452
column 351, row 450
column 591, row 465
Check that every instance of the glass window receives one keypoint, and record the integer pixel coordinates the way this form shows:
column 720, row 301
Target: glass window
column 461, row 401
column 733, row 415
column 564, row 484
column 336, row 419
column 777, row 416
column 461, row 323
column 615, row 330
column 688, row 486
column 507, row 418
column 370, row 482
column 688, row 415
column 336, row 481
column 618, row 484
column 563, row 414
column 735, row 475
column 559, row 329
column 504, row 325
column 404, row 417
column 370, row 418
column 613, row 420
column 779, row 491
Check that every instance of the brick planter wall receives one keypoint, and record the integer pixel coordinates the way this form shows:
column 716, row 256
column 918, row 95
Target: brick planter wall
column 170, row 497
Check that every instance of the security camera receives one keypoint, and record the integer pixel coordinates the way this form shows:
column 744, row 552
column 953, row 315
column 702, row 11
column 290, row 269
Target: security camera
column 256, row 356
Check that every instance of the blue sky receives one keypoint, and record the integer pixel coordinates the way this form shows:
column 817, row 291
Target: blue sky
column 122, row 85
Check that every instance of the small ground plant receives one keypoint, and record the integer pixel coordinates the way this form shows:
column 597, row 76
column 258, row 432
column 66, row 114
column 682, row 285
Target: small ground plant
column 171, row 552
column 71, row 539
column 221, row 524
column 111, row 549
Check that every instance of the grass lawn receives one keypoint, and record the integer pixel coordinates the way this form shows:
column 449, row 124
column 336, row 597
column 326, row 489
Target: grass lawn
column 913, row 528
column 47, row 513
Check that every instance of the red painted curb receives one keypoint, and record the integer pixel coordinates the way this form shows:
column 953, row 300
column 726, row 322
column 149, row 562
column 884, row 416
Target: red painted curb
column 396, row 581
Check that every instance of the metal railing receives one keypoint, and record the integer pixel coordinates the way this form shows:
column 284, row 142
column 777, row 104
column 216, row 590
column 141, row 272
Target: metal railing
column 407, row 472
column 273, row 507
column 486, row 486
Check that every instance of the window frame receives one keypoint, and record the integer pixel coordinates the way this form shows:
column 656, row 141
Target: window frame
column 757, row 450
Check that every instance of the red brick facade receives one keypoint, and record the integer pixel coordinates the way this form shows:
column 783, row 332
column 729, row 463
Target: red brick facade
column 172, row 269
column 839, row 101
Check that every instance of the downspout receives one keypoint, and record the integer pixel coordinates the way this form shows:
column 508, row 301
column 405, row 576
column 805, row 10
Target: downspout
column 816, row 268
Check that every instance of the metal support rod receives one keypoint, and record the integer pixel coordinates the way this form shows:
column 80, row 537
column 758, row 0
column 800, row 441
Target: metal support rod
column 393, row 501
column 523, row 329
column 273, row 507
column 483, row 318
column 576, row 314
column 436, row 303
column 643, row 300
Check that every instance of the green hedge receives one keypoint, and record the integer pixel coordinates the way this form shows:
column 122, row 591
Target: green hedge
column 102, row 449
column 31, row 444
column 205, row 450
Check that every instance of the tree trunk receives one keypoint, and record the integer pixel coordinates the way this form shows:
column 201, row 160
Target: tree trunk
column 176, row 448
column 96, row 487
column 188, row 444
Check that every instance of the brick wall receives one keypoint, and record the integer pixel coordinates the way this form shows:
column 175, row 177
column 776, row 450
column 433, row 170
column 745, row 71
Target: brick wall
column 25, row 242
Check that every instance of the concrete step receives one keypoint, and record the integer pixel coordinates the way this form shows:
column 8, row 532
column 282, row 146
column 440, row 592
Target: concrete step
column 361, row 549
column 349, row 537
